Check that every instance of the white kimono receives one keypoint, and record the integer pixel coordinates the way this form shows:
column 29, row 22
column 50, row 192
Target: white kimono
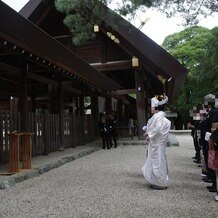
column 155, row 169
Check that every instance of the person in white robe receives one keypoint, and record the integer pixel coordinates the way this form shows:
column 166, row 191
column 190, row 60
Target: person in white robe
column 155, row 169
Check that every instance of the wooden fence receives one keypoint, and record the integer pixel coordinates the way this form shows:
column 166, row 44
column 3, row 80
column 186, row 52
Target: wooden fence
column 77, row 130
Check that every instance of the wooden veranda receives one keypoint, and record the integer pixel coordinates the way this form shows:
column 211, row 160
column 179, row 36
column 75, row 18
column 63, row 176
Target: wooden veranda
column 44, row 77
column 42, row 86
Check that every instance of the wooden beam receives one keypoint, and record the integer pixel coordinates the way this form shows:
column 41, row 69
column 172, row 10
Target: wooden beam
column 132, row 52
column 41, row 79
column 8, row 93
column 124, row 92
column 113, row 65
column 7, row 53
column 40, row 71
column 42, row 45
column 63, row 36
column 44, row 14
column 65, row 88
column 69, row 104
column 14, row 80
column 9, row 68
column 16, row 71
column 71, row 89
column 67, row 83
column 42, row 98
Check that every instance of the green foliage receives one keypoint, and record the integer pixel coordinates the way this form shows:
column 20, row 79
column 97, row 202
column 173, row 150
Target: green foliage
column 197, row 49
column 80, row 31
column 132, row 95
column 80, row 20
column 87, row 101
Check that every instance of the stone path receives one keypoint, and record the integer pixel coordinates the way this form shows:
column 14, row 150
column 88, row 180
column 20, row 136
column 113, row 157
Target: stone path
column 110, row 184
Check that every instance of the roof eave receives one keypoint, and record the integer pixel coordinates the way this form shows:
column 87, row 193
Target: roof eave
column 23, row 33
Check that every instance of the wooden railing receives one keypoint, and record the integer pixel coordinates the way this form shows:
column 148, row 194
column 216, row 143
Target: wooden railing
column 45, row 126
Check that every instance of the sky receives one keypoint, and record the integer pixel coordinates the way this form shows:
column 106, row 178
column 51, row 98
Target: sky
column 157, row 26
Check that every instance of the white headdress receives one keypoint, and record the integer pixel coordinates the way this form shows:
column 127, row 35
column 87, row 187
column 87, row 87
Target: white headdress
column 164, row 100
column 155, row 102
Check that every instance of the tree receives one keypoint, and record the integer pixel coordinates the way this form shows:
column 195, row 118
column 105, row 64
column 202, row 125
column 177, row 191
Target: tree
column 197, row 49
column 80, row 20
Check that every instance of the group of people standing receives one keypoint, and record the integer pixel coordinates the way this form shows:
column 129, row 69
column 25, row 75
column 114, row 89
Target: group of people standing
column 108, row 130
column 205, row 137
column 204, row 130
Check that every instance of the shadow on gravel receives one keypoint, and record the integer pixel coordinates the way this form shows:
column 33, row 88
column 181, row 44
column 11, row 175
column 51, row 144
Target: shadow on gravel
column 132, row 184
column 186, row 176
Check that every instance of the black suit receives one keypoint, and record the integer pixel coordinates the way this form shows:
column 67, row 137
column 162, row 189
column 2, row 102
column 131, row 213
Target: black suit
column 112, row 132
column 104, row 133
column 195, row 123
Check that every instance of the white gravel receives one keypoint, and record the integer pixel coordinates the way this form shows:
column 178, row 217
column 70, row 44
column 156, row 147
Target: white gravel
column 110, row 184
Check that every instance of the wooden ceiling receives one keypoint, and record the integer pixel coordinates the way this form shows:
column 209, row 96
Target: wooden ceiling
column 113, row 59
column 45, row 56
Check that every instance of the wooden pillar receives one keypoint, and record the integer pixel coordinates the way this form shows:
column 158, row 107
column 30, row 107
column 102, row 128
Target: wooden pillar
column 53, row 103
column 13, row 104
column 23, row 105
column 81, row 112
column 33, row 99
column 128, row 111
column 61, row 112
column 119, row 111
column 27, row 151
column 76, row 105
column 140, row 102
column 14, row 152
column 45, row 132
column 103, row 49
column 81, row 104
column 108, row 106
column 73, row 122
column 72, row 129
column 95, row 112
column 14, row 115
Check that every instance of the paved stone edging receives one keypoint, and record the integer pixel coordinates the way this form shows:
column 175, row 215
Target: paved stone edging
column 10, row 181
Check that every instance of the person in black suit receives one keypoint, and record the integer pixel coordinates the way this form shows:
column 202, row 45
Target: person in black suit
column 104, row 130
column 194, row 126
column 112, row 130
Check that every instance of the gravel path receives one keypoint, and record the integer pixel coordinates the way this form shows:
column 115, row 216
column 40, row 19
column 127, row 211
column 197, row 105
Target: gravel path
column 110, row 184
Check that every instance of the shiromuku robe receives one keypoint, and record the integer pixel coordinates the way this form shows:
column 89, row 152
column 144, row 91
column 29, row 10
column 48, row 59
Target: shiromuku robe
column 155, row 169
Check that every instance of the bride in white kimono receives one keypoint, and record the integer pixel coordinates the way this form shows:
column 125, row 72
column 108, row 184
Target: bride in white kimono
column 155, row 169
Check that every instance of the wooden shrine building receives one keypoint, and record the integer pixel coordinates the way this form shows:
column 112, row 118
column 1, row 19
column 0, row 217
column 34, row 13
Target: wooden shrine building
column 44, row 77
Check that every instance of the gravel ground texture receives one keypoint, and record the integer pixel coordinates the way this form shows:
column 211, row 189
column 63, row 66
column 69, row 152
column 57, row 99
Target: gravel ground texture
column 109, row 183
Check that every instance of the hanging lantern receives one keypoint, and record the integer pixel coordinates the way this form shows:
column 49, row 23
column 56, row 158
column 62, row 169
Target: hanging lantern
column 109, row 34
column 96, row 28
column 135, row 62
column 113, row 37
